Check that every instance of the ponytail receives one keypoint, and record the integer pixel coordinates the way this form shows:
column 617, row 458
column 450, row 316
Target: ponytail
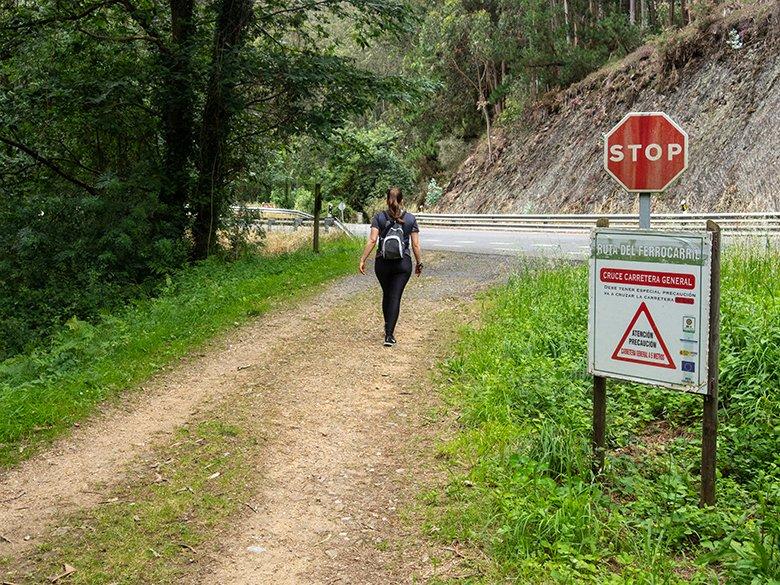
column 394, row 200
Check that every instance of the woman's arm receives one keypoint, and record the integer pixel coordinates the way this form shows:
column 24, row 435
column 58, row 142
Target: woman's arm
column 417, row 251
column 372, row 238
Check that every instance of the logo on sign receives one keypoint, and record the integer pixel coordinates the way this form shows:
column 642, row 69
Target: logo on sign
column 689, row 324
column 688, row 366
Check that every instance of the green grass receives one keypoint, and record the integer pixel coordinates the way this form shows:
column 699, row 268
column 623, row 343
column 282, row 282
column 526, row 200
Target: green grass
column 44, row 392
column 151, row 530
column 522, row 489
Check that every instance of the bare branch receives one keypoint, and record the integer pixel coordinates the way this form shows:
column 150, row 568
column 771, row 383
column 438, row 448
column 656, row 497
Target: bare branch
column 38, row 157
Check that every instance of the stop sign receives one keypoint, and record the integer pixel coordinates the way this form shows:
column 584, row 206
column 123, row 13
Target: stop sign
column 646, row 151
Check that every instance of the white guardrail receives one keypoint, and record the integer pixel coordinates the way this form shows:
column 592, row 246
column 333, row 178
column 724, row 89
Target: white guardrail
column 748, row 224
column 758, row 224
column 274, row 216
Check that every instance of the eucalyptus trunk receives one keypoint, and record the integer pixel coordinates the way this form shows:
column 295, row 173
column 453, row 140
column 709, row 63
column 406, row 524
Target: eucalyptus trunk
column 177, row 118
column 233, row 19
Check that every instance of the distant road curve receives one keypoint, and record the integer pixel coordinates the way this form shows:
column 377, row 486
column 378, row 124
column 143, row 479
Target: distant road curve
column 497, row 242
column 541, row 243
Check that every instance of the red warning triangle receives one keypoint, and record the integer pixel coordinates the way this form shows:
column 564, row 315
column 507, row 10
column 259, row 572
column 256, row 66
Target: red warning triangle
column 642, row 343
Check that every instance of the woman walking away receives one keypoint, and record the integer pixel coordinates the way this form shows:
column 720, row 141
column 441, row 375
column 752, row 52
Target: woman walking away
column 395, row 229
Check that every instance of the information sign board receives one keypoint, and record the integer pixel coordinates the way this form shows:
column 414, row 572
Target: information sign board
column 649, row 307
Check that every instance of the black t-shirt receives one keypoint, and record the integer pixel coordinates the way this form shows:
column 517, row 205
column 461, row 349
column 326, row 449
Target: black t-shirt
column 382, row 219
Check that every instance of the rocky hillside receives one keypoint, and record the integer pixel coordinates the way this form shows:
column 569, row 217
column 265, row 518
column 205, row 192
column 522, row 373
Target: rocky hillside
column 719, row 79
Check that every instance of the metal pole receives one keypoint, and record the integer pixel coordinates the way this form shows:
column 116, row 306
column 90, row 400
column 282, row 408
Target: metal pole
column 644, row 210
column 709, row 435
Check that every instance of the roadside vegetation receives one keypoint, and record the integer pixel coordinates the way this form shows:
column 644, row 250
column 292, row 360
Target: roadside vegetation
column 44, row 391
column 522, row 490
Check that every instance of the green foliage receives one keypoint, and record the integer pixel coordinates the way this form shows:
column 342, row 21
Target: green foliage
column 364, row 164
column 503, row 54
column 452, row 151
column 128, row 128
column 303, row 199
column 434, row 193
column 527, row 496
column 49, row 388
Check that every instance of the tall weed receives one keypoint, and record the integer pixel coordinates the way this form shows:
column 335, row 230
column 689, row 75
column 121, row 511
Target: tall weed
column 524, row 397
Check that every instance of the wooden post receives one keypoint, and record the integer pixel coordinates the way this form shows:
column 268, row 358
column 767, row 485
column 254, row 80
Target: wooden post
column 709, row 435
column 599, row 422
column 317, row 210
column 599, row 406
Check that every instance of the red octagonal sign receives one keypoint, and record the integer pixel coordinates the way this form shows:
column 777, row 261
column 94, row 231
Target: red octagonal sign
column 646, row 151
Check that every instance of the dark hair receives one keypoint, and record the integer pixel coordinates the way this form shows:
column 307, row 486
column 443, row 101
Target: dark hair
column 394, row 199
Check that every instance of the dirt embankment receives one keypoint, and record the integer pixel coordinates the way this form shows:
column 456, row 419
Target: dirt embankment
column 718, row 79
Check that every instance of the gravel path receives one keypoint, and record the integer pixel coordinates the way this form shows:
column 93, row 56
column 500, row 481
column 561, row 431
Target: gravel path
column 342, row 409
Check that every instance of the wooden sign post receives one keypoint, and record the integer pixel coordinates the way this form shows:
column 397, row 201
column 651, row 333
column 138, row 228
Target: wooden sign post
column 709, row 431
column 599, row 407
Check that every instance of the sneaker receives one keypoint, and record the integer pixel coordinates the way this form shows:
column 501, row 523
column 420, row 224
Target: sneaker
column 389, row 341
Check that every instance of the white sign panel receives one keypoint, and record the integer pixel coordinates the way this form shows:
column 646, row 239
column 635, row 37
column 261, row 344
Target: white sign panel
column 649, row 307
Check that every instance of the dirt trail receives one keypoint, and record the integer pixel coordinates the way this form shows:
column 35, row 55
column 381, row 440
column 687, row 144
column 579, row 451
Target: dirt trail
column 78, row 470
column 345, row 418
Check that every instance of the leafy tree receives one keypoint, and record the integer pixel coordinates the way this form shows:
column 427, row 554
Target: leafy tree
column 364, row 163
column 128, row 126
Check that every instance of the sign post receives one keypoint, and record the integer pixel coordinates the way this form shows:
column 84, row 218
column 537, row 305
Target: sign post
column 654, row 296
column 644, row 211
column 599, row 406
column 342, row 207
column 710, row 419
column 317, row 211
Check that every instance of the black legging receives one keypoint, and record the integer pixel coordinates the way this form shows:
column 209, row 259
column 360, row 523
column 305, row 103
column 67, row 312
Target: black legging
column 393, row 276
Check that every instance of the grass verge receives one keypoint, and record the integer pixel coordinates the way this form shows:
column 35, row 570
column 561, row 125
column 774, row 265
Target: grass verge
column 152, row 529
column 522, row 491
column 44, row 392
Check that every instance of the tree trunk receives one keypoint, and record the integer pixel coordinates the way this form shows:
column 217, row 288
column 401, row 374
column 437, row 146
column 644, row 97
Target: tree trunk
column 566, row 21
column 482, row 104
column 671, row 13
column 177, row 119
column 632, row 11
column 684, row 12
column 233, row 18
column 576, row 32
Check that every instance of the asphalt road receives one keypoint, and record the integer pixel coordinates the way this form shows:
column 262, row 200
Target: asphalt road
column 498, row 242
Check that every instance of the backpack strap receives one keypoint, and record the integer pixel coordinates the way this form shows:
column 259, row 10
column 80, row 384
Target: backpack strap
column 388, row 224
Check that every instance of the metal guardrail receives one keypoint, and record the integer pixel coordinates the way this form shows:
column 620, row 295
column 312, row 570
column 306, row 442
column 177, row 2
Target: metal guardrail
column 274, row 212
column 290, row 217
column 765, row 223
